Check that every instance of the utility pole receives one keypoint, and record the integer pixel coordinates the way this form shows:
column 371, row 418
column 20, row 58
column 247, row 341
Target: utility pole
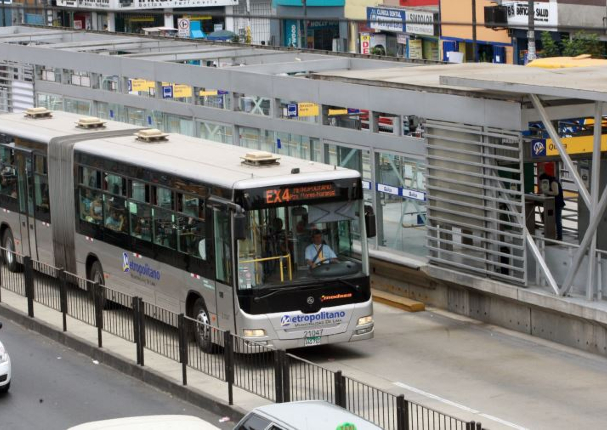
column 531, row 33
column 474, row 44
column 305, row 23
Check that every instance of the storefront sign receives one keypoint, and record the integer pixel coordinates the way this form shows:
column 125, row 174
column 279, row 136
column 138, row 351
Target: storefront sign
column 291, row 32
column 416, row 50
column 307, row 109
column 573, row 145
column 182, row 91
column 420, row 22
column 386, row 19
column 365, row 43
column 413, row 194
column 402, row 39
column 142, row 4
column 138, row 85
column 545, row 16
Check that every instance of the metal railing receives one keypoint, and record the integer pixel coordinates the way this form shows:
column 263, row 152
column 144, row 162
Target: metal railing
column 269, row 373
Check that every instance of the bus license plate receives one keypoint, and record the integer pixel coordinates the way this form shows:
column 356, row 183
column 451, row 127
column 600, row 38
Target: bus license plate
column 310, row 341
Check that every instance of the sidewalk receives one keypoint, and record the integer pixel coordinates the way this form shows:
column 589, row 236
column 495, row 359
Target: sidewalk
column 160, row 372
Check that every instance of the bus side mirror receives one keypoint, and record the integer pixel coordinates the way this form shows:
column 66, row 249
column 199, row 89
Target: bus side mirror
column 240, row 227
column 370, row 222
column 0, row 325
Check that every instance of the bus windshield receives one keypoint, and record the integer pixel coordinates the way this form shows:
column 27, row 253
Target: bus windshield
column 291, row 245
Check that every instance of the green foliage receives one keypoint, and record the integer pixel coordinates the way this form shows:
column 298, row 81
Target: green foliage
column 378, row 50
column 235, row 39
column 550, row 47
column 583, row 43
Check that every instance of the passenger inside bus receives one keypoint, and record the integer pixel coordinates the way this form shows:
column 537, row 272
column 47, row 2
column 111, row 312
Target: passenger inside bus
column 115, row 221
column 96, row 209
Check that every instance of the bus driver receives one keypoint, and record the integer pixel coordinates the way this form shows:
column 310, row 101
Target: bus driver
column 318, row 253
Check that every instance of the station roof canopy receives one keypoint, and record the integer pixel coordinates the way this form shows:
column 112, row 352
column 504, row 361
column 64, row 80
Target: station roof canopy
column 585, row 83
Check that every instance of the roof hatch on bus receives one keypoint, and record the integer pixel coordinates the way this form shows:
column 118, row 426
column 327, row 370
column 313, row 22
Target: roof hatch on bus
column 260, row 158
column 151, row 135
column 39, row 112
column 90, row 122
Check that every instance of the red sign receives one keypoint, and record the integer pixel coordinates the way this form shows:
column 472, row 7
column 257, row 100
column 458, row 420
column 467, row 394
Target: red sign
column 419, row 2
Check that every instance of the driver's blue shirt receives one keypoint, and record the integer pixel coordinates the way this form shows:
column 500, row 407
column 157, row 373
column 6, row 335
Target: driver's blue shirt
column 319, row 257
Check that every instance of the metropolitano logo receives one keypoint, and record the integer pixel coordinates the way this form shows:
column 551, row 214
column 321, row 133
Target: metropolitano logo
column 125, row 262
column 285, row 321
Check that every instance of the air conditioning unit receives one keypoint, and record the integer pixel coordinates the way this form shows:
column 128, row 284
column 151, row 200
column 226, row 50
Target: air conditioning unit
column 496, row 16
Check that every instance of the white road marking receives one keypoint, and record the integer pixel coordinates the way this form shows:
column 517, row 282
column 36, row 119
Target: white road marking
column 458, row 405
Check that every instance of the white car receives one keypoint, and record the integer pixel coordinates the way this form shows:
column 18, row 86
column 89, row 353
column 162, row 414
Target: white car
column 151, row 422
column 5, row 369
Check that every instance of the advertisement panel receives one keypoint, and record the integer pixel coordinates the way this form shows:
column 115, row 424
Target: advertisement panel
column 386, row 19
column 420, row 22
column 365, row 43
column 142, row 4
column 545, row 14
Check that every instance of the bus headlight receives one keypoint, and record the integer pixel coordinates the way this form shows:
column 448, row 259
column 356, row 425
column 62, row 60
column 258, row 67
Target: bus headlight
column 254, row 332
column 365, row 320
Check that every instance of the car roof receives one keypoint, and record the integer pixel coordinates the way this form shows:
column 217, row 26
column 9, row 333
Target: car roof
column 312, row 415
column 149, row 422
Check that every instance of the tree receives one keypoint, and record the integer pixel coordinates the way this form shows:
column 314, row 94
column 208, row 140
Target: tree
column 583, row 43
column 550, row 47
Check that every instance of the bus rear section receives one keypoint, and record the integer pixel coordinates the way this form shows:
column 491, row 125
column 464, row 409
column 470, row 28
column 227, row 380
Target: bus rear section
column 303, row 273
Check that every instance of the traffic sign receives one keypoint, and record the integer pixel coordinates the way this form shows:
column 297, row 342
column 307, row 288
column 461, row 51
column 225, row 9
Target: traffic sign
column 292, row 110
column 167, row 92
column 183, row 26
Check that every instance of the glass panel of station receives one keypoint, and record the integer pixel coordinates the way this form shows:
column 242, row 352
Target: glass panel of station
column 401, row 203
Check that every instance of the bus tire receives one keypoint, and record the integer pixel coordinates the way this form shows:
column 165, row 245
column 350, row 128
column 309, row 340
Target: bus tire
column 96, row 276
column 203, row 332
column 9, row 253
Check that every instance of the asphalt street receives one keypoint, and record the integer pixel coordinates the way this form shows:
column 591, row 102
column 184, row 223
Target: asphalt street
column 55, row 387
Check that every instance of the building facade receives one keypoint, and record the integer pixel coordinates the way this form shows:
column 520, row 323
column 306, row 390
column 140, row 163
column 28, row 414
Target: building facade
column 457, row 37
column 403, row 31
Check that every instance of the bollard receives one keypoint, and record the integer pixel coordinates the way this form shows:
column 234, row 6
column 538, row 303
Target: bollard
column 28, row 276
column 183, row 348
column 63, row 296
column 402, row 413
column 228, row 355
column 278, row 376
column 98, row 301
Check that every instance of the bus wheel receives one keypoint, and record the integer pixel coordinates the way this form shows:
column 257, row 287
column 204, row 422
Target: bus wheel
column 203, row 331
column 9, row 254
column 96, row 276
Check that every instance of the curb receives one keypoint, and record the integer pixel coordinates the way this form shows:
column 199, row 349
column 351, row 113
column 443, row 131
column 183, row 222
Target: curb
column 149, row 376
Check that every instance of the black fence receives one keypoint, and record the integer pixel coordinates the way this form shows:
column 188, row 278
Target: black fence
column 272, row 374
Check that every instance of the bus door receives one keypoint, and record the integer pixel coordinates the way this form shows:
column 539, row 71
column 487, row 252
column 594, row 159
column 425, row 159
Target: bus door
column 25, row 183
column 223, row 268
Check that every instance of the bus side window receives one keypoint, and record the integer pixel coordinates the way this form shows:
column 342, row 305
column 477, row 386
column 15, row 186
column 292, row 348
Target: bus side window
column 90, row 177
column 163, row 198
column 141, row 221
column 42, row 197
column 115, row 184
column 115, row 213
column 164, row 228
column 191, row 229
column 91, row 206
column 140, row 192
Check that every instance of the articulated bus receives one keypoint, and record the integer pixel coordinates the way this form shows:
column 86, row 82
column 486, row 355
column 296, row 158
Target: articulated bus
column 272, row 249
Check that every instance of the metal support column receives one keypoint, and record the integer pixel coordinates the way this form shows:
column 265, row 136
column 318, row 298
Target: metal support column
column 594, row 190
column 562, row 152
